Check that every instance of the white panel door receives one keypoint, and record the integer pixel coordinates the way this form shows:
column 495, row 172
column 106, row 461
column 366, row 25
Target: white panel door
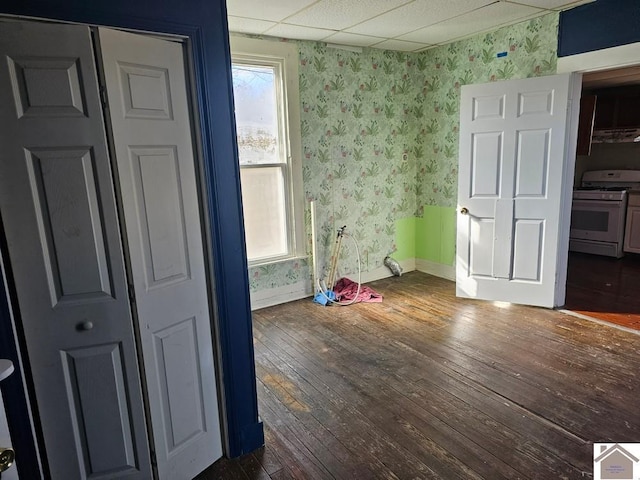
column 60, row 221
column 149, row 113
column 514, row 160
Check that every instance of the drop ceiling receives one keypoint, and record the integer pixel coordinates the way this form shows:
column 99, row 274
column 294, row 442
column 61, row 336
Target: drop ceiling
column 405, row 25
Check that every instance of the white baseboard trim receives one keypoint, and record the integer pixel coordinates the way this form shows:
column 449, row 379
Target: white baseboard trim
column 408, row 265
column 436, row 269
column 297, row 291
column 278, row 295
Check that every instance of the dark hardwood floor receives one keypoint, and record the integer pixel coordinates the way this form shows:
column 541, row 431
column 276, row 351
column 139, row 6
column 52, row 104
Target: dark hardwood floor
column 605, row 288
column 425, row 385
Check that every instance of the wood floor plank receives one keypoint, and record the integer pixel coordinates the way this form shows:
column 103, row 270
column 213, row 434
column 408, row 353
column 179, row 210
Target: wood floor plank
column 267, row 459
column 252, row 467
column 570, row 392
column 319, row 411
column 479, row 437
column 368, row 436
column 301, row 460
column 605, row 288
column 371, row 407
column 426, row 385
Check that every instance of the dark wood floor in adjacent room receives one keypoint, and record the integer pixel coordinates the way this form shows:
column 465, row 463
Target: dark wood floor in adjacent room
column 426, row 385
column 605, row 288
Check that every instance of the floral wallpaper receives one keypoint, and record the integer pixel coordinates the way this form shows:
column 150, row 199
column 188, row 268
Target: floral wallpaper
column 380, row 134
column 530, row 52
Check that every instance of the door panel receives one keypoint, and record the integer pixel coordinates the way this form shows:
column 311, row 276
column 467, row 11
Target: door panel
column 149, row 112
column 512, row 149
column 177, row 363
column 527, row 249
column 158, row 197
column 63, row 186
column 108, row 446
column 63, row 240
column 47, row 86
column 487, row 159
column 532, row 163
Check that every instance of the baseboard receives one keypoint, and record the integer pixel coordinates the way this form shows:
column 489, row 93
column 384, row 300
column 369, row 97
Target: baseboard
column 278, row 295
column 408, row 265
column 436, row 269
column 297, row 291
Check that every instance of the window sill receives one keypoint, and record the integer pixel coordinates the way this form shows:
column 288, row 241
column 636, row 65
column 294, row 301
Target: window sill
column 274, row 261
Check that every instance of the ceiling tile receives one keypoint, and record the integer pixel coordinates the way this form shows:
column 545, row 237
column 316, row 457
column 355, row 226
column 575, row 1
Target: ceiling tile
column 248, row 25
column 285, row 30
column 340, row 14
column 400, row 45
column 274, row 10
column 486, row 18
column 343, row 38
column 415, row 15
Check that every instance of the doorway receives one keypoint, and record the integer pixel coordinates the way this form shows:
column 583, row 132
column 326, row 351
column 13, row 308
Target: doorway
column 602, row 287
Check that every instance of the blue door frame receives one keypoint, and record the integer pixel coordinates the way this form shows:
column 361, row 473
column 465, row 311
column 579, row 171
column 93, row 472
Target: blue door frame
column 204, row 22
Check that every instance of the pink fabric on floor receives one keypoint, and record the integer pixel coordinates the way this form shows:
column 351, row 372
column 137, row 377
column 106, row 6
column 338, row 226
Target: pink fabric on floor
column 346, row 290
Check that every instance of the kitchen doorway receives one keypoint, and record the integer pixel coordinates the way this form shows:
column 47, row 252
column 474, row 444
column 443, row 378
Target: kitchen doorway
column 602, row 286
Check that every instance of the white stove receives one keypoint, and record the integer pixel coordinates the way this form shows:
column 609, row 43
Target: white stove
column 600, row 194
column 607, row 181
column 599, row 209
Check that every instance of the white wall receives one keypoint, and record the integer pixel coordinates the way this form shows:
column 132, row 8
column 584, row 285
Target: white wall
column 608, row 156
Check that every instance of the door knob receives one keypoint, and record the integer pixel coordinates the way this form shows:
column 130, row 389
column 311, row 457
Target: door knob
column 84, row 326
column 464, row 210
column 7, row 456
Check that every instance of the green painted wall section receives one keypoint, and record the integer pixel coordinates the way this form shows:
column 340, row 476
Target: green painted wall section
column 405, row 239
column 435, row 238
column 430, row 237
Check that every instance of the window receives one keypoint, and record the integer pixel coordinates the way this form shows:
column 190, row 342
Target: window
column 265, row 90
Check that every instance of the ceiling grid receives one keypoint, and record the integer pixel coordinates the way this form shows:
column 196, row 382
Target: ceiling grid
column 405, row 25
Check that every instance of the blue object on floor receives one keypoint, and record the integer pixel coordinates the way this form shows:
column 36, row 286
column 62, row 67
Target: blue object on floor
column 324, row 298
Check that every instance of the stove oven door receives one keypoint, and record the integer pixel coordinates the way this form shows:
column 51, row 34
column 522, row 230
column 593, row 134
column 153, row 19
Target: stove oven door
column 597, row 220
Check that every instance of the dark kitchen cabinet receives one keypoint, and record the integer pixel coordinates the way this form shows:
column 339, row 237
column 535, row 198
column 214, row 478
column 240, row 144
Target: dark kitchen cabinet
column 609, row 109
column 628, row 113
column 585, row 124
column 606, row 107
column 617, row 108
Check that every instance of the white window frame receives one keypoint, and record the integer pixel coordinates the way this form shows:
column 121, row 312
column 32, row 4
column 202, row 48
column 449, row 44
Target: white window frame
column 251, row 51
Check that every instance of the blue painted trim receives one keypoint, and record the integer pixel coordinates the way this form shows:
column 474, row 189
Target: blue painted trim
column 205, row 23
column 598, row 25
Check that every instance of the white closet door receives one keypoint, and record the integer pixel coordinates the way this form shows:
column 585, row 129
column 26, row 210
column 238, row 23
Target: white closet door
column 149, row 113
column 59, row 215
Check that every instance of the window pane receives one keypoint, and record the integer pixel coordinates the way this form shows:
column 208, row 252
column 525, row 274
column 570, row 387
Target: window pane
column 255, row 97
column 263, row 199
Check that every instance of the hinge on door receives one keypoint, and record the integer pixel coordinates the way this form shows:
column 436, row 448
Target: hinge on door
column 132, row 294
column 103, row 96
column 154, row 460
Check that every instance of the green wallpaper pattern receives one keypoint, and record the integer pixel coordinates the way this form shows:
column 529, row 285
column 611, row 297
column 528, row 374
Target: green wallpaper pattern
column 380, row 139
column 531, row 51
